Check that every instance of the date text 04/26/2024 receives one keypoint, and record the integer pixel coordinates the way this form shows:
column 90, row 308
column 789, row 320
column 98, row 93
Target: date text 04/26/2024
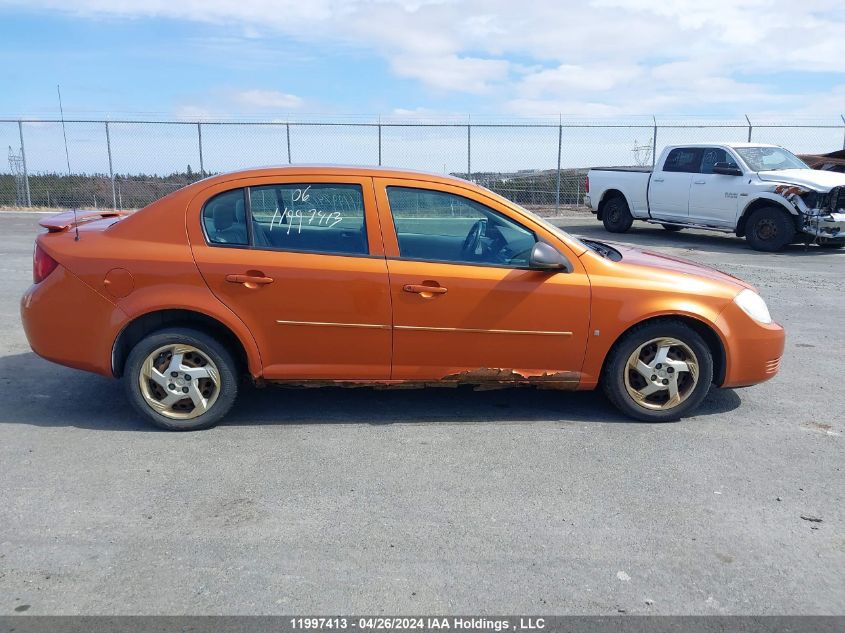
column 383, row 623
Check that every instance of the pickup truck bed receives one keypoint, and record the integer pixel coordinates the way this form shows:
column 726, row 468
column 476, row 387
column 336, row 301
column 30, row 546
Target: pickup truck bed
column 643, row 170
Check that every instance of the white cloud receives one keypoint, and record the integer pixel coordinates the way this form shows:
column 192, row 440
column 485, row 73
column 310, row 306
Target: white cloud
column 568, row 79
column 267, row 100
column 194, row 112
column 452, row 73
column 601, row 55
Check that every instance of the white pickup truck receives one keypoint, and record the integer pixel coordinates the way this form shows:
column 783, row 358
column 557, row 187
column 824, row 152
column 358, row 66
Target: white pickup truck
column 762, row 192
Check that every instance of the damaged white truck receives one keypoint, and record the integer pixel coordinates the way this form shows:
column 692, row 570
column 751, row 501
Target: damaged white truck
column 762, row 192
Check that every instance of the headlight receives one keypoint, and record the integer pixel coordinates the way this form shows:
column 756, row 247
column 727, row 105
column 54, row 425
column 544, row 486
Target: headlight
column 753, row 305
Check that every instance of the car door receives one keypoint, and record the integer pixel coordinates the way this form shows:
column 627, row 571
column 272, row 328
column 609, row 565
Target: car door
column 669, row 188
column 465, row 304
column 713, row 198
column 299, row 259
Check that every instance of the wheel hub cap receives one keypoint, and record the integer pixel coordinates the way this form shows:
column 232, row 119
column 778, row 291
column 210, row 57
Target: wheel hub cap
column 767, row 230
column 661, row 373
column 179, row 381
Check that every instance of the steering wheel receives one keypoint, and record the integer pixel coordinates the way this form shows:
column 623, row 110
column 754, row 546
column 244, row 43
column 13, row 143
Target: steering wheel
column 473, row 238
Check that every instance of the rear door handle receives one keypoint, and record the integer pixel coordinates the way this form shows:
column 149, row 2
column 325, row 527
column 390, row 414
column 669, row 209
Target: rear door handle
column 247, row 280
column 700, row 182
column 420, row 289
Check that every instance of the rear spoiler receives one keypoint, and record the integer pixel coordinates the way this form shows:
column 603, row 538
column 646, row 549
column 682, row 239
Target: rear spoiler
column 69, row 219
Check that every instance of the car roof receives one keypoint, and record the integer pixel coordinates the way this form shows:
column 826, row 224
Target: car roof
column 334, row 170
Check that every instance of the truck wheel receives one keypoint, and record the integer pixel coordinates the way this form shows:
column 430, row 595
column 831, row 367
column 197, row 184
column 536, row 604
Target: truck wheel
column 672, row 228
column 181, row 379
column 658, row 372
column 616, row 216
column 769, row 229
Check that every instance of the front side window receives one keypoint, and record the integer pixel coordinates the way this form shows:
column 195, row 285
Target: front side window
column 713, row 155
column 683, row 159
column 224, row 219
column 439, row 226
column 317, row 217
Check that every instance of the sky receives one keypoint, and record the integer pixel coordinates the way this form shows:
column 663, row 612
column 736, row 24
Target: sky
column 422, row 59
column 605, row 61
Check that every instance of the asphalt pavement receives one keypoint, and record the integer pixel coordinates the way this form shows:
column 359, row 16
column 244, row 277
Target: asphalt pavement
column 439, row 501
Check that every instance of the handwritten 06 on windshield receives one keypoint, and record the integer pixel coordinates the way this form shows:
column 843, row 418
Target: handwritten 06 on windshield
column 298, row 217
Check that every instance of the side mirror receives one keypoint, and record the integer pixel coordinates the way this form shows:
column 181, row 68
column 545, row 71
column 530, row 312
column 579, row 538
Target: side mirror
column 726, row 169
column 546, row 257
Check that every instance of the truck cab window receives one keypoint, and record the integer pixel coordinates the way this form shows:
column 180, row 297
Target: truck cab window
column 683, row 159
column 713, row 155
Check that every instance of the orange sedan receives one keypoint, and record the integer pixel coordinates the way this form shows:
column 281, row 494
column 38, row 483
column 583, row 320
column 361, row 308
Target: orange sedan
column 364, row 276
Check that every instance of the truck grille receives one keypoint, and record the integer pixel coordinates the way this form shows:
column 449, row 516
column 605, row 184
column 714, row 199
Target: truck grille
column 837, row 199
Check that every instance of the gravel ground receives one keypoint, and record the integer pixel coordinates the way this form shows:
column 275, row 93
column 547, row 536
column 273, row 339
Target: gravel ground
column 441, row 501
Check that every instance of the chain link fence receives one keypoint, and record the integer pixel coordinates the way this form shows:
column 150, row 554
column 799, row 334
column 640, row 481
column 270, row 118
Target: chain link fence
column 128, row 164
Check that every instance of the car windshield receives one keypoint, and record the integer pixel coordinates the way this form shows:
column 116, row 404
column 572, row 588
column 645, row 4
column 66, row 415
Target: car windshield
column 769, row 158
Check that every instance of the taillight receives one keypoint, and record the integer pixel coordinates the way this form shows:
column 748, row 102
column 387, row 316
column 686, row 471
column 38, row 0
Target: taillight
column 587, row 184
column 42, row 264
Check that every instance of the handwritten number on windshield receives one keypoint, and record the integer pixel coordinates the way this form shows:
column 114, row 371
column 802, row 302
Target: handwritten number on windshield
column 298, row 217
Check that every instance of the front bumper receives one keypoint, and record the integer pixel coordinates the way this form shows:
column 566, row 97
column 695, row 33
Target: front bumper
column 753, row 350
column 830, row 226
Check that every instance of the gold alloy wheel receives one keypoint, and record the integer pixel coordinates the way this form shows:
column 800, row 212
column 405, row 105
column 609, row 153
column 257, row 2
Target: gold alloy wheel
column 661, row 373
column 179, row 381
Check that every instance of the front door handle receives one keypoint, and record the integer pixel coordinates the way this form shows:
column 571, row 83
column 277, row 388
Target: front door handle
column 657, row 180
column 700, row 182
column 249, row 280
column 424, row 290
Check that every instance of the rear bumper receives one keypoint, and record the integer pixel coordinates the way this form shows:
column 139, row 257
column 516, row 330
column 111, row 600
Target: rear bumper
column 68, row 322
column 588, row 202
column 753, row 350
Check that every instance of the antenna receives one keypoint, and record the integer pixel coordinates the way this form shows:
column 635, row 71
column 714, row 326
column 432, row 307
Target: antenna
column 67, row 156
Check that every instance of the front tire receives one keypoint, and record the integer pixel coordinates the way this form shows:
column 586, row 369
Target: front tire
column 181, row 379
column 616, row 216
column 769, row 229
column 658, row 371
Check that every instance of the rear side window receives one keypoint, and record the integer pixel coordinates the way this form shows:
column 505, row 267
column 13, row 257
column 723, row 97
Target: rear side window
column 224, row 219
column 440, row 226
column 316, row 217
column 683, row 159
column 713, row 155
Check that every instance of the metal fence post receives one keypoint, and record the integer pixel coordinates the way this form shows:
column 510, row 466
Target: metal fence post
column 842, row 116
column 287, row 131
column 469, row 152
column 749, row 127
column 379, row 142
column 559, row 148
column 23, row 162
column 111, row 170
column 199, row 142
column 653, row 142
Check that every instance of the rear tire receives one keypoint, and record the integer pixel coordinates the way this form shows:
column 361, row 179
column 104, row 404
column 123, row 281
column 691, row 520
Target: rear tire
column 769, row 229
column 636, row 378
column 181, row 379
column 616, row 216
column 672, row 228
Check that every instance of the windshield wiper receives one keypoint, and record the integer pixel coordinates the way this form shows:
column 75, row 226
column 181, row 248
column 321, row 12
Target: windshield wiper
column 598, row 247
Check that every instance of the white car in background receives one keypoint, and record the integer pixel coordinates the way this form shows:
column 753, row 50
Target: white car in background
column 762, row 192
